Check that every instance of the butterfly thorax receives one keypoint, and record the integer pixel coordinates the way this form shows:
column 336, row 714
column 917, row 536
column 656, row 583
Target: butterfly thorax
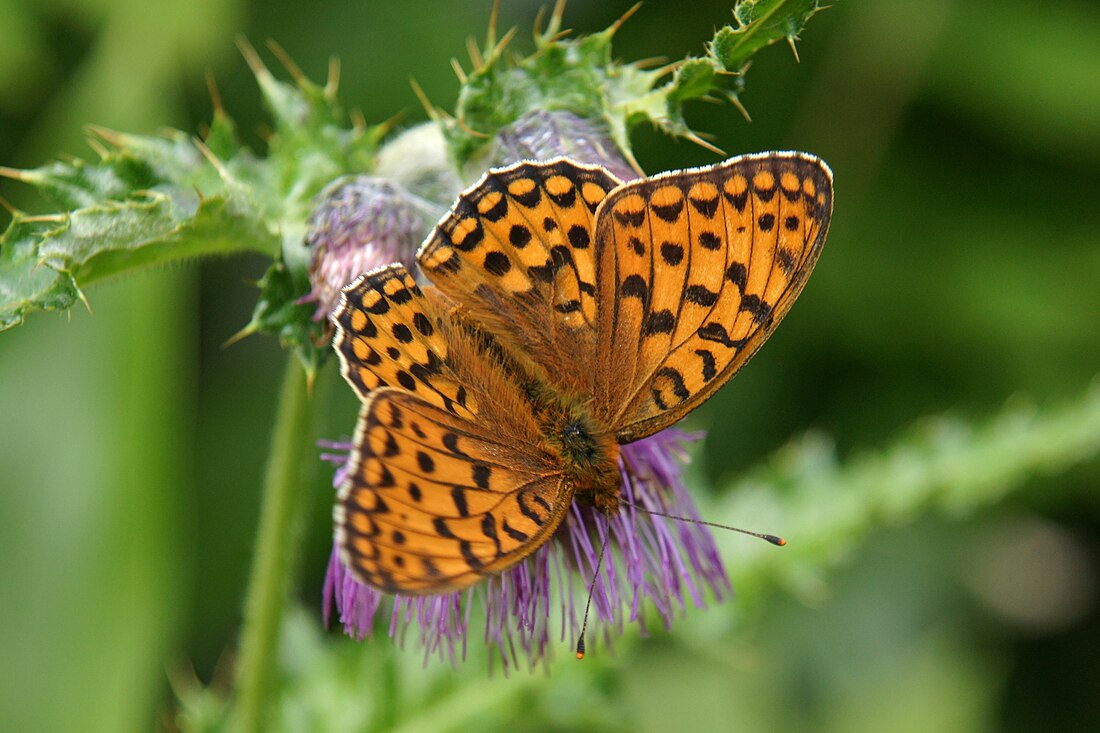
column 588, row 451
column 589, row 454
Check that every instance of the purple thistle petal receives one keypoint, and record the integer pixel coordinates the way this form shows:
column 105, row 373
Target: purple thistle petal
column 667, row 562
column 360, row 223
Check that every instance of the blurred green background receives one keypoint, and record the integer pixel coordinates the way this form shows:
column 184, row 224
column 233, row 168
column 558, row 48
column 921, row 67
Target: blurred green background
column 961, row 272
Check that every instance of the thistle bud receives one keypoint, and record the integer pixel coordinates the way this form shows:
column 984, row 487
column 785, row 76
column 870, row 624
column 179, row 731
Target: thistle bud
column 541, row 135
column 361, row 223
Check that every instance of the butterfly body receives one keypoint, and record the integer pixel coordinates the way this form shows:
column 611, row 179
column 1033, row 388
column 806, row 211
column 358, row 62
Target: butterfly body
column 588, row 451
column 589, row 457
column 569, row 313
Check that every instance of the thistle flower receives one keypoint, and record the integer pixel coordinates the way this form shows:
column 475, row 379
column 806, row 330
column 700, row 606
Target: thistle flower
column 652, row 559
column 359, row 223
column 541, row 135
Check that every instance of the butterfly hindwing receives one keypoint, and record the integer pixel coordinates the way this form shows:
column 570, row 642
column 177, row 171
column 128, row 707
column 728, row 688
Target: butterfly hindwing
column 434, row 502
column 696, row 268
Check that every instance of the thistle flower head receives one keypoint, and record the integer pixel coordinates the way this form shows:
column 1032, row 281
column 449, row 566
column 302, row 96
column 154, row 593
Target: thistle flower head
column 651, row 560
column 359, row 223
column 544, row 134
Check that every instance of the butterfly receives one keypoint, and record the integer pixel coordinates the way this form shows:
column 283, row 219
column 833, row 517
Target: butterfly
column 568, row 313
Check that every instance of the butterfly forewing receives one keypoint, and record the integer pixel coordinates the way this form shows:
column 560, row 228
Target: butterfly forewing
column 696, row 269
column 517, row 251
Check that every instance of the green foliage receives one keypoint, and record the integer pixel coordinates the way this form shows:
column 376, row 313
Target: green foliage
column 154, row 200
column 580, row 75
column 760, row 23
column 24, row 286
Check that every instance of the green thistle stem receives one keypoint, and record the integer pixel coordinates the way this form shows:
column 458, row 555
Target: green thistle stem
column 276, row 540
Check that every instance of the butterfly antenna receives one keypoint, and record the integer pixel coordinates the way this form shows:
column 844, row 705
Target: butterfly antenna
column 591, row 589
column 777, row 541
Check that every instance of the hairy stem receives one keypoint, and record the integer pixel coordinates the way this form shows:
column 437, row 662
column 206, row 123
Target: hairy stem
column 276, row 540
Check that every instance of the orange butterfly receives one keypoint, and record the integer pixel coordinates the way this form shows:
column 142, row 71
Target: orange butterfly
column 571, row 313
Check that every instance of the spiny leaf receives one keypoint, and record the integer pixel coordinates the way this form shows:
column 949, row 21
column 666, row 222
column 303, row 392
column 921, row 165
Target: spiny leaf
column 24, row 286
column 99, row 241
column 760, row 23
column 151, row 200
column 580, row 75
column 280, row 312
column 943, row 463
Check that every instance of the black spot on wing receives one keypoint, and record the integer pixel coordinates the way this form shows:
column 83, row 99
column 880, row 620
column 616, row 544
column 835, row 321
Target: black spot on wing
column 710, row 241
column 561, row 256
column 756, row 307
column 629, row 218
column 672, row 253
column 717, row 333
column 579, row 236
column 439, row 524
column 450, row 442
column 786, row 260
column 566, row 199
column 527, row 500
column 498, row 210
column 738, row 275
column 675, row 381
column 468, row 555
column 670, row 213
column 378, row 308
column 489, row 529
column 401, row 296
column 634, row 286
column 481, row 474
column 406, row 380
column 709, row 371
column 515, row 534
column 423, row 325
column 701, row 295
column 458, row 496
column 706, row 207
column 737, row 200
column 519, row 236
column 542, row 273
column 497, row 263
column 662, row 321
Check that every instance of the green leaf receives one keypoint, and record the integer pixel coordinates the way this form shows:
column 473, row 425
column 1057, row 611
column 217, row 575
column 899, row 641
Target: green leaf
column 280, row 312
column 24, row 285
column 153, row 200
column 760, row 23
